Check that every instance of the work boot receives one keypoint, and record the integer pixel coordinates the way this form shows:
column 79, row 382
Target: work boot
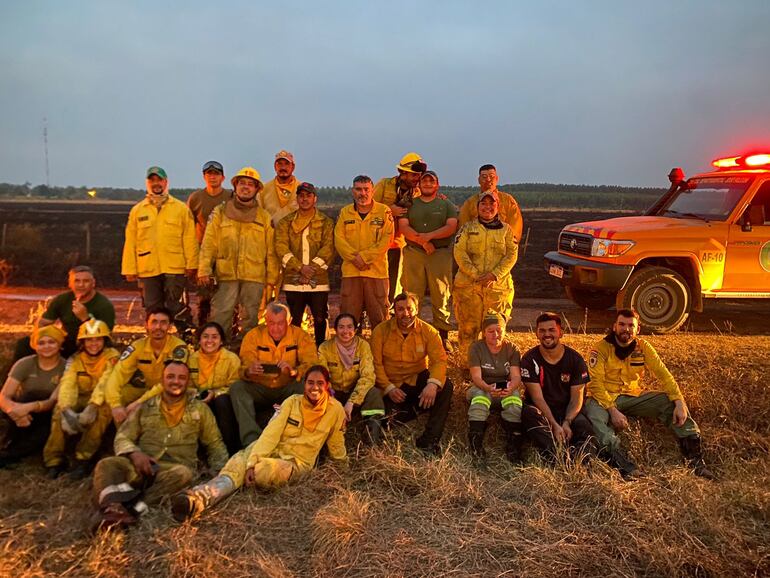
column 428, row 446
column 191, row 503
column 620, row 461
column 448, row 347
column 693, row 454
column 54, row 472
column 372, row 431
column 513, row 441
column 476, row 430
column 81, row 470
column 114, row 515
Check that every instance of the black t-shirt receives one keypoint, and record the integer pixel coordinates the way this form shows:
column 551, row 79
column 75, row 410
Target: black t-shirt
column 555, row 380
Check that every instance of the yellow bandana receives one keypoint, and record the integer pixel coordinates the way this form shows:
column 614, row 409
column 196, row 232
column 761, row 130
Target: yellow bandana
column 312, row 414
column 206, row 364
column 174, row 413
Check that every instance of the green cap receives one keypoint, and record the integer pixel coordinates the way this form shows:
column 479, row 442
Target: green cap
column 156, row 171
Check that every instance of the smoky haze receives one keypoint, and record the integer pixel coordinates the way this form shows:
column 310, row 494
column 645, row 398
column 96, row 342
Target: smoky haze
column 563, row 92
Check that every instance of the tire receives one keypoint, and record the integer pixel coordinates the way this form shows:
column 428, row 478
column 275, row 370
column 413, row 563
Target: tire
column 660, row 295
column 591, row 299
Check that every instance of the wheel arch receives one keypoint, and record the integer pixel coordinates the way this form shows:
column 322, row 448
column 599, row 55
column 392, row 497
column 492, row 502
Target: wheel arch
column 687, row 267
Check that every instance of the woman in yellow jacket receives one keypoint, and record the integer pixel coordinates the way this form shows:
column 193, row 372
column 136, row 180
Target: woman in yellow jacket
column 238, row 251
column 212, row 369
column 485, row 250
column 287, row 449
column 349, row 360
column 81, row 408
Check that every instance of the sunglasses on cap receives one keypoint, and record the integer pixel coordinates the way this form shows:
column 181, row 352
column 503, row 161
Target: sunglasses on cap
column 213, row 165
column 417, row 166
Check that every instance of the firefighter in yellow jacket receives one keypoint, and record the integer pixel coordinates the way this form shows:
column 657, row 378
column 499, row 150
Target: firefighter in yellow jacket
column 137, row 374
column 81, row 408
column 617, row 365
column 161, row 248
column 485, row 251
column 508, row 209
column 362, row 235
column 348, row 357
column 273, row 358
column 398, row 193
column 238, row 252
column 286, row 450
column 156, row 450
column 304, row 244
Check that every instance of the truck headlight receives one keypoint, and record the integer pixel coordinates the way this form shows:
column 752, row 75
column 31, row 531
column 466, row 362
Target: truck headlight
column 609, row 248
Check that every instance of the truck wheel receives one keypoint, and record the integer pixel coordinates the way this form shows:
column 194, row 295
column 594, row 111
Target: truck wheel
column 660, row 296
column 591, row 299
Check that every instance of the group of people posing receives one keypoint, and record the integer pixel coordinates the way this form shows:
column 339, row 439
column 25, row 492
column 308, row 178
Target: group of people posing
column 264, row 414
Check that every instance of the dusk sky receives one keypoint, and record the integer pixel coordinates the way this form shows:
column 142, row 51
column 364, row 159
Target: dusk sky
column 563, row 92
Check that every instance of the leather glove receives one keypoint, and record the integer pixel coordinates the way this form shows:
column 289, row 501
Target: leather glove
column 70, row 423
column 88, row 415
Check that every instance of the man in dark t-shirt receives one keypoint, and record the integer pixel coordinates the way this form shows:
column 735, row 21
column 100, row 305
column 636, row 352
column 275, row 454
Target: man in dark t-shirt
column 72, row 308
column 555, row 376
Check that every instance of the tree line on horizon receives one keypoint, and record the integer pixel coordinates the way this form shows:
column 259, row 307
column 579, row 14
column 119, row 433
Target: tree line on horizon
column 529, row 195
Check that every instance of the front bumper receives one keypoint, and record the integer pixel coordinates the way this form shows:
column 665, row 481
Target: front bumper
column 584, row 274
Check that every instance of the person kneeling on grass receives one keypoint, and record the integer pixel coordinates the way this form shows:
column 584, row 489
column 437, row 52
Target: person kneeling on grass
column 156, row 450
column 287, row 449
column 81, row 409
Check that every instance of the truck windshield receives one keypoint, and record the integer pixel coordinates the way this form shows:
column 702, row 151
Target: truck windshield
column 708, row 198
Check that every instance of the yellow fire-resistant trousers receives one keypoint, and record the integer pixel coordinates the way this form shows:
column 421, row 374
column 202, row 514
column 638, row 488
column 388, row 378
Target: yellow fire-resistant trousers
column 269, row 473
column 471, row 304
column 90, row 440
column 115, row 470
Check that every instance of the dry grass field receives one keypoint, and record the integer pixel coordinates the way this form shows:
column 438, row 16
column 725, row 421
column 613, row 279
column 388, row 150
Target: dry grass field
column 396, row 513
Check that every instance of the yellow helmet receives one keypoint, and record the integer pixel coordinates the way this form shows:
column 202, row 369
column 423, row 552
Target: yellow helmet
column 412, row 163
column 93, row 328
column 248, row 172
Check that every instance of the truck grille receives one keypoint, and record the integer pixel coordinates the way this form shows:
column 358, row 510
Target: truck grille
column 575, row 243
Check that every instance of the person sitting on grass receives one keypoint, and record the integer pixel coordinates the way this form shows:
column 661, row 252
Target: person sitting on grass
column 287, row 449
column 494, row 366
column 349, row 360
column 212, row 369
column 29, row 395
column 81, row 408
column 156, row 450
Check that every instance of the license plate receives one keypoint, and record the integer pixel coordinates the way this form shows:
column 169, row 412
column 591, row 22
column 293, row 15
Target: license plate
column 556, row 271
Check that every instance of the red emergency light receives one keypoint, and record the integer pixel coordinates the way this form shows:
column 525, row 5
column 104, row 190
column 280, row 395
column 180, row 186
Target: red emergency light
column 749, row 161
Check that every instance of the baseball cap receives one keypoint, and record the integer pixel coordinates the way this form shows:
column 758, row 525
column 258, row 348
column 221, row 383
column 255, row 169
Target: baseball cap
column 483, row 195
column 309, row 187
column 156, row 171
column 283, row 154
column 215, row 165
column 429, row 173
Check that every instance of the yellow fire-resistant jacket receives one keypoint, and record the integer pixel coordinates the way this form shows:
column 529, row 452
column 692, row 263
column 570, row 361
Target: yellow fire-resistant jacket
column 399, row 359
column 159, row 241
column 359, row 378
column 314, row 245
column 287, row 439
column 369, row 238
column 479, row 250
column 508, row 209
column 296, row 348
column 226, row 372
column 238, row 251
column 117, row 390
column 385, row 192
column 78, row 383
column 611, row 376
column 146, row 430
column 279, row 200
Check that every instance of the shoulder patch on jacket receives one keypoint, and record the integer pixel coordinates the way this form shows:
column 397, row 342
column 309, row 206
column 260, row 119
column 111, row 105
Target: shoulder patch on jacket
column 180, row 352
column 593, row 358
column 126, row 352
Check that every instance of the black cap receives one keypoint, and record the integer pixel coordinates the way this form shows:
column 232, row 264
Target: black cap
column 309, row 187
column 217, row 166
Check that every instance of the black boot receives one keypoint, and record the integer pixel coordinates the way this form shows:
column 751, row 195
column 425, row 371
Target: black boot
column 444, row 334
column 619, row 460
column 693, row 453
column 476, row 430
column 513, row 441
column 81, row 470
column 372, row 431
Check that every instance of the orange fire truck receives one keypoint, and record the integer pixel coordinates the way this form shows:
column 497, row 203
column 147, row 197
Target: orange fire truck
column 709, row 238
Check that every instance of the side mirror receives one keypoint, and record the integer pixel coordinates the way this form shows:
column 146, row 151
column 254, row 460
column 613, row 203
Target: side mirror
column 746, row 225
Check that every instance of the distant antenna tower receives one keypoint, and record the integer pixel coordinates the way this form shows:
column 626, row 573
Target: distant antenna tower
column 45, row 143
